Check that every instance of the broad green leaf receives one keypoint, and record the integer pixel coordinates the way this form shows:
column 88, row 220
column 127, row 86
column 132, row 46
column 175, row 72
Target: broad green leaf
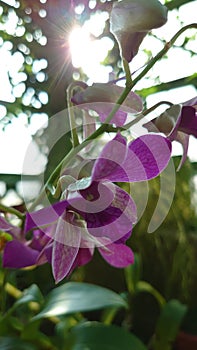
column 168, row 324
column 78, row 297
column 9, row 343
column 97, row 336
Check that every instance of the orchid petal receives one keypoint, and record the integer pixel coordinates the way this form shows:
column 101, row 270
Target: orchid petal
column 188, row 122
column 167, row 123
column 101, row 98
column 17, row 255
column 63, row 258
column 39, row 239
column 177, row 123
column 45, row 216
column 153, row 152
column 84, row 256
column 65, row 247
column 184, row 140
column 110, row 158
column 146, row 158
column 46, row 254
column 130, row 21
column 117, row 255
column 6, row 226
column 96, row 198
column 119, row 118
column 116, row 221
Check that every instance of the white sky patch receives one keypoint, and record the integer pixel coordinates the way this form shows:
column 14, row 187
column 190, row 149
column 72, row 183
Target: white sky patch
column 14, row 143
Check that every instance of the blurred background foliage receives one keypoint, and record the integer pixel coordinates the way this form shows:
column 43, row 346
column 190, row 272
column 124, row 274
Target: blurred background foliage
column 36, row 36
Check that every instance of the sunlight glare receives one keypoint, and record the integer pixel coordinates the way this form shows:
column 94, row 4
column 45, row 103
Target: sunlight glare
column 88, row 53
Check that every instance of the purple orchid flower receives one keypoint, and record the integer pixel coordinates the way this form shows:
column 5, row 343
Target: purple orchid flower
column 101, row 98
column 178, row 122
column 20, row 252
column 97, row 213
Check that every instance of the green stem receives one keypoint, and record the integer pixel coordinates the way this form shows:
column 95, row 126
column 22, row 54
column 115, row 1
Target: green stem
column 71, row 114
column 161, row 53
column 11, row 210
column 75, row 140
column 3, row 292
column 127, row 72
column 147, row 111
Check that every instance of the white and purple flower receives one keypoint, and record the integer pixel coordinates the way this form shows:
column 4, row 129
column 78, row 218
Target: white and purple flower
column 97, row 213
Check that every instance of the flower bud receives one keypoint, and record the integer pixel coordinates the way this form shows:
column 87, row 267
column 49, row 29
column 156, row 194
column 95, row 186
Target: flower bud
column 131, row 20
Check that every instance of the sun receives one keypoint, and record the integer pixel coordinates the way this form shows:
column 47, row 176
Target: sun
column 80, row 46
column 88, row 52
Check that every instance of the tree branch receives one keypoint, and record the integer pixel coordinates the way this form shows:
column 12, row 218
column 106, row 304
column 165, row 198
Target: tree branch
column 175, row 4
column 191, row 80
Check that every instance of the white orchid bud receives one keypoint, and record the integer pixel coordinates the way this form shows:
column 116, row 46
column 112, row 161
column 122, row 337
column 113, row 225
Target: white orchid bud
column 131, row 20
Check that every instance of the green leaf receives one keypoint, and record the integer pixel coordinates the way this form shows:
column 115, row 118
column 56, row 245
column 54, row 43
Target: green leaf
column 96, row 336
column 78, row 297
column 9, row 343
column 168, row 324
column 33, row 293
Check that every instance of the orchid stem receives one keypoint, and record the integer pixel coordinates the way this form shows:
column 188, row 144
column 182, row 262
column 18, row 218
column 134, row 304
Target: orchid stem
column 128, row 73
column 147, row 111
column 161, row 53
column 11, row 210
column 73, row 129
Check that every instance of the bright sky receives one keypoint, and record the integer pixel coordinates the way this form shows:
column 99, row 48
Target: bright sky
column 87, row 54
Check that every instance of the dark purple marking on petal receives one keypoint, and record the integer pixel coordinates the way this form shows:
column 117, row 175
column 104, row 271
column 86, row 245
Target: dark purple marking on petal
column 147, row 157
column 116, row 221
column 96, row 198
column 188, row 122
